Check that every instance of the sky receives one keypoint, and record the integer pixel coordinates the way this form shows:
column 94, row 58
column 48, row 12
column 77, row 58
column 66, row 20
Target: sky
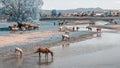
column 73, row 4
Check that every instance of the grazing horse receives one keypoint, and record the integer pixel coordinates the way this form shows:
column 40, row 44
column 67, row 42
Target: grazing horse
column 89, row 28
column 20, row 25
column 65, row 36
column 60, row 23
column 13, row 28
column 35, row 27
column 20, row 51
column 67, row 32
column 98, row 29
column 44, row 50
column 73, row 28
column 91, row 24
column 77, row 28
column 26, row 25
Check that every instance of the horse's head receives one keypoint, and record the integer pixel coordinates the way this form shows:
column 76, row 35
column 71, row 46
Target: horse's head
column 37, row 51
column 52, row 54
column 9, row 26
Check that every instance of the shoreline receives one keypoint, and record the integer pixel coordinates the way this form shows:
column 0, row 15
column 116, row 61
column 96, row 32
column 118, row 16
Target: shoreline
column 28, row 48
column 13, row 39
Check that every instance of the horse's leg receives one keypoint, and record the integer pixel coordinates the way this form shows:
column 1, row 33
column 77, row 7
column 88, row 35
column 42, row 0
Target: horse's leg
column 15, row 50
column 46, row 55
column 39, row 60
column 62, row 37
column 39, row 54
column 68, row 38
column 20, row 53
column 97, row 30
column 91, row 29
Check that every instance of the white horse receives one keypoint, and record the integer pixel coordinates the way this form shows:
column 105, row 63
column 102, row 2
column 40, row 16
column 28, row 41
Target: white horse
column 20, row 51
column 65, row 36
column 60, row 28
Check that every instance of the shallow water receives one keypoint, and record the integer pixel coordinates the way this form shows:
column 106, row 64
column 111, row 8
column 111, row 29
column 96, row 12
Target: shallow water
column 44, row 25
column 102, row 51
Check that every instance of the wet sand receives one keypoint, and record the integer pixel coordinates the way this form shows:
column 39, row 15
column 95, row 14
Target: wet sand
column 26, row 37
column 116, row 27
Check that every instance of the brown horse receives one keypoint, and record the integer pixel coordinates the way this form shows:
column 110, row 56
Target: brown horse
column 44, row 50
column 98, row 29
column 60, row 23
column 13, row 28
column 89, row 28
column 26, row 25
column 91, row 24
column 35, row 27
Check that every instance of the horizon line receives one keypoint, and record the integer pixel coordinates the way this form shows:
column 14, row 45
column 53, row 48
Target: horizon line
column 84, row 8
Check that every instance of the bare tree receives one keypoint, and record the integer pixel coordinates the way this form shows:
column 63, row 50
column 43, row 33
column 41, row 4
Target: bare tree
column 22, row 9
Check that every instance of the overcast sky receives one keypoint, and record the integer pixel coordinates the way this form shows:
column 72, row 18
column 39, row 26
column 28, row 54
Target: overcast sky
column 71, row 4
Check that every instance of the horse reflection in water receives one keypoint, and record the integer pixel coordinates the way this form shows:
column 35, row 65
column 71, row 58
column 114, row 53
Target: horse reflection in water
column 19, row 61
column 45, row 61
column 98, row 34
column 66, row 44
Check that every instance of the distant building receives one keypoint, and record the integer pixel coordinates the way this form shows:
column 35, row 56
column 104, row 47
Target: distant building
column 98, row 14
column 115, row 13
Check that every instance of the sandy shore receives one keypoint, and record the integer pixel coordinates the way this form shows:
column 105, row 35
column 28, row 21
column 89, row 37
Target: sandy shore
column 116, row 27
column 26, row 37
